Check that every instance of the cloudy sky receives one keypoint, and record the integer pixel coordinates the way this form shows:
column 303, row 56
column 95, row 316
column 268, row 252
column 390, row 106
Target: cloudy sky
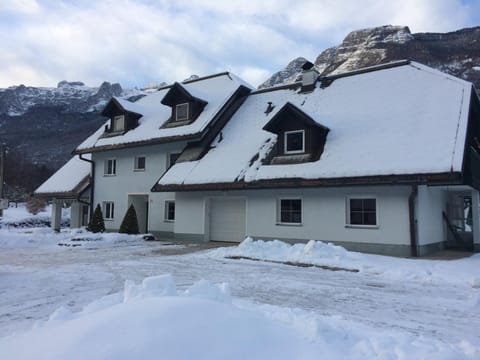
column 140, row 42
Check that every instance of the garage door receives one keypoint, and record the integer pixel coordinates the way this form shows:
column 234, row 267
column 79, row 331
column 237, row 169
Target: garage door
column 227, row 219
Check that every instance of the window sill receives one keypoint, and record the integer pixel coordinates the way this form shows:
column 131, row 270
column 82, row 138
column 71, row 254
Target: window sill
column 139, row 170
column 350, row 226
column 108, row 219
column 109, row 175
column 168, row 221
column 109, row 134
column 174, row 123
column 288, row 224
column 294, row 152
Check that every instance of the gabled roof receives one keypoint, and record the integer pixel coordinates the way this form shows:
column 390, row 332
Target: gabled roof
column 403, row 122
column 295, row 112
column 216, row 90
column 121, row 104
column 69, row 181
column 176, row 91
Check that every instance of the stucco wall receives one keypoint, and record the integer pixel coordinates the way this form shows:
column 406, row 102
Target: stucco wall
column 128, row 182
column 323, row 214
column 430, row 204
column 190, row 213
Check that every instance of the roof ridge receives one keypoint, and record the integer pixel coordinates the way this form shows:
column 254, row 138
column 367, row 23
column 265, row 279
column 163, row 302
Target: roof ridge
column 206, row 77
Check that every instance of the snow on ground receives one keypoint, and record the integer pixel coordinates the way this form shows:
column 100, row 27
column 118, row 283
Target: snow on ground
column 329, row 255
column 115, row 301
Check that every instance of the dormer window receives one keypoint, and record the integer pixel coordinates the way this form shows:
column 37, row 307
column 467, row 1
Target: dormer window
column 185, row 107
column 181, row 112
column 118, row 123
column 300, row 138
column 123, row 115
column 294, row 142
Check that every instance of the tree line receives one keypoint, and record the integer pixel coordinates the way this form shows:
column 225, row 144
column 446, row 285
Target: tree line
column 21, row 175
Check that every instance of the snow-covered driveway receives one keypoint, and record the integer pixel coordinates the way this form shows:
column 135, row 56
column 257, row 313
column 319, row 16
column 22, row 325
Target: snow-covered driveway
column 37, row 279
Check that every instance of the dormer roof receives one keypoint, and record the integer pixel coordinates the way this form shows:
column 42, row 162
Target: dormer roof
column 116, row 103
column 177, row 94
column 288, row 110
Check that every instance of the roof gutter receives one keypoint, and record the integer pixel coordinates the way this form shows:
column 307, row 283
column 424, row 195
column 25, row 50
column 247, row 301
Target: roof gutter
column 413, row 224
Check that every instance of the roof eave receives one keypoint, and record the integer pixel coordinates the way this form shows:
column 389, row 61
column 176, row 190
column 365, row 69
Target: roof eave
column 449, row 178
column 71, row 194
column 162, row 140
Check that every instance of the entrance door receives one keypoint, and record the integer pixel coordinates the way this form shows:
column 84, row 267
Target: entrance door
column 227, row 219
column 460, row 221
column 140, row 203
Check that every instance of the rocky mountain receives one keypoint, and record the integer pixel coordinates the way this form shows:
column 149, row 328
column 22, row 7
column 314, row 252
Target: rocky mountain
column 45, row 124
column 71, row 97
column 456, row 53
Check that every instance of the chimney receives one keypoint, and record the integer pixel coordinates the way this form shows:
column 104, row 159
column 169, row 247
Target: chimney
column 309, row 77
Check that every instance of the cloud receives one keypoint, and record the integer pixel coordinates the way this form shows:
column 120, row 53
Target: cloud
column 140, row 42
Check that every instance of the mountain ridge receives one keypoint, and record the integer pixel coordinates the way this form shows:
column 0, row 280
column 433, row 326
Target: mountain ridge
column 456, row 53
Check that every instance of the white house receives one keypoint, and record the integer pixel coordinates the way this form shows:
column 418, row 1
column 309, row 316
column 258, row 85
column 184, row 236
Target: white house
column 140, row 140
column 384, row 160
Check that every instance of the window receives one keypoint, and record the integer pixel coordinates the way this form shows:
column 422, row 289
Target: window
column 110, row 167
column 294, row 142
column 290, row 211
column 139, row 163
column 172, row 159
column 108, row 210
column 118, row 123
column 181, row 112
column 169, row 210
column 362, row 211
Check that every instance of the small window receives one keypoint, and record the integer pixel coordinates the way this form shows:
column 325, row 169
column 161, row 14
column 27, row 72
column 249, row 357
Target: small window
column 118, row 123
column 170, row 210
column 108, row 210
column 362, row 211
column 140, row 162
column 172, row 159
column 290, row 211
column 181, row 112
column 110, row 167
column 294, row 142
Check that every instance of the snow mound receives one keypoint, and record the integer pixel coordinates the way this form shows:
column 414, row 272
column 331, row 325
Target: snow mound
column 204, row 289
column 333, row 257
column 152, row 320
column 160, row 325
column 162, row 285
column 314, row 252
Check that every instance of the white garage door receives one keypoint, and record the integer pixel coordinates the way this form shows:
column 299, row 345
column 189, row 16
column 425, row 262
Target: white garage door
column 227, row 219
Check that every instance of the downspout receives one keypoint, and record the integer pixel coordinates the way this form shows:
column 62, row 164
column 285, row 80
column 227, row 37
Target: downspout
column 92, row 185
column 411, row 211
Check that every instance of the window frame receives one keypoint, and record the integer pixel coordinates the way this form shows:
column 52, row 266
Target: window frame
column 285, row 142
column 348, row 212
column 107, row 171
column 169, row 160
column 166, row 214
column 115, row 121
column 279, row 211
column 108, row 215
column 135, row 163
column 177, row 106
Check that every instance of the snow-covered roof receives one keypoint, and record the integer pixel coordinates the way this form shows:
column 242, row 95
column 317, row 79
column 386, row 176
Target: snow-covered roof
column 403, row 119
column 216, row 90
column 70, row 179
column 128, row 105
